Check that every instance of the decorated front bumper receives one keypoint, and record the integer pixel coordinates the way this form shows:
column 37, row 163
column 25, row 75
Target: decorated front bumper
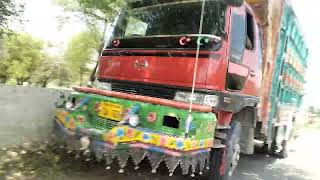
column 160, row 135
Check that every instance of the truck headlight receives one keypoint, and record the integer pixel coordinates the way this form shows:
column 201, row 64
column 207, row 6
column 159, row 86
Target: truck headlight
column 211, row 100
column 187, row 97
column 104, row 86
column 208, row 100
column 69, row 105
column 134, row 120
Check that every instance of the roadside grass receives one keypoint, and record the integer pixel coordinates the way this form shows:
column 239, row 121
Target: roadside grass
column 315, row 126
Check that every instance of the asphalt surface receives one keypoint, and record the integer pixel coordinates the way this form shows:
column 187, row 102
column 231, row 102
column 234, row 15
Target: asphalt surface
column 302, row 164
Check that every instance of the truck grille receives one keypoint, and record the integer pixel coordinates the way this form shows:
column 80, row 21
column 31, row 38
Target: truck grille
column 104, row 124
column 151, row 90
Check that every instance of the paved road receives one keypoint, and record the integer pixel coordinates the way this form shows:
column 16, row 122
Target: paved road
column 302, row 164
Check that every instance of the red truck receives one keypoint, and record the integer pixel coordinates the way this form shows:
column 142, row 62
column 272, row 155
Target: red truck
column 195, row 56
column 158, row 60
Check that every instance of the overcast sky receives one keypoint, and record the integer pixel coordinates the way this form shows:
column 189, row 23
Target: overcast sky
column 309, row 18
column 42, row 16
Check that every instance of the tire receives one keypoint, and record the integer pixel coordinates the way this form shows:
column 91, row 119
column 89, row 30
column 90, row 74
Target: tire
column 236, row 3
column 224, row 161
column 275, row 147
column 284, row 151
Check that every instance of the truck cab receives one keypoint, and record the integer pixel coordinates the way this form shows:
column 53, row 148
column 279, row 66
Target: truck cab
column 153, row 52
column 180, row 82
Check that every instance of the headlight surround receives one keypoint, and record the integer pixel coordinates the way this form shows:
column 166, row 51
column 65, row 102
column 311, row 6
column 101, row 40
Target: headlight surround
column 211, row 100
column 208, row 100
column 104, row 86
column 186, row 97
column 69, row 105
column 134, row 120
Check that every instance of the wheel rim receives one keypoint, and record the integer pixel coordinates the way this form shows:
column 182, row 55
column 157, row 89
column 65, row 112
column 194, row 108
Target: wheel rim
column 235, row 158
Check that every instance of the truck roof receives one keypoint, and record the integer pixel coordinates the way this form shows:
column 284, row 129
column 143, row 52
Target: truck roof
column 143, row 3
column 259, row 8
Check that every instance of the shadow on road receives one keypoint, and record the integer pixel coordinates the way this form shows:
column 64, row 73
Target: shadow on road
column 42, row 162
column 255, row 167
column 264, row 167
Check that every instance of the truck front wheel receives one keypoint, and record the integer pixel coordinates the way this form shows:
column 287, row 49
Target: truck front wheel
column 225, row 161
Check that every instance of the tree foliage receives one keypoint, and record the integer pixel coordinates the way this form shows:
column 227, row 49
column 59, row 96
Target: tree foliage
column 24, row 59
column 4, row 76
column 92, row 10
column 22, row 55
column 64, row 75
column 97, row 14
column 10, row 11
column 314, row 111
column 81, row 52
column 51, row 71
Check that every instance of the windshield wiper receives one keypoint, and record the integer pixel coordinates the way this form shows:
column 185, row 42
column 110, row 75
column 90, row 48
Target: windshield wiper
column 217, row 38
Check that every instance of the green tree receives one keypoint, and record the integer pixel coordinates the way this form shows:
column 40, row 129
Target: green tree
column 64, row 76
column 81, row 52
column 46, row 72
column 22, row 55
column 52, row 70
column 95, row 13
column 10, row 11
column 311, row 109
column 4, row 76
column 92, row 11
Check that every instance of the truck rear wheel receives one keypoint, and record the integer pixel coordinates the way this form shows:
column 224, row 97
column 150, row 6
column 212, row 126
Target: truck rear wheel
column 225, row 161
column 284, row 151
column 279, row 150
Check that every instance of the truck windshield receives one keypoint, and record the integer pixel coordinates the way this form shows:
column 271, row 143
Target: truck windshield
column 178, row 18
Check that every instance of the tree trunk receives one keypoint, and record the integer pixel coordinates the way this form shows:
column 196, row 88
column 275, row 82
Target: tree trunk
column 81, row 77
column 45, row 83
column 3, row 80
column 19, row 82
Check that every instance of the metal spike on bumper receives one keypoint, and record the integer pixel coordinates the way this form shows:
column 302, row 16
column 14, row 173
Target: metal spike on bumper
column 137, row 156
column 172, row 163
column 203, row 160
column 98, row 154
column 197, row 160
column 155, row 160
column 194, row 164
column 108, row 158
column 122, row 156
column 207, row 160
column 185, row 164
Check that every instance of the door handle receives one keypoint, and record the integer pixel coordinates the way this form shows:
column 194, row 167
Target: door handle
column 252, row 73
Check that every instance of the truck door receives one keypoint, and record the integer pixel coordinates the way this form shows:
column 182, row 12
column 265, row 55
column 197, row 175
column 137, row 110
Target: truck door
column 252, row 55
column 244, row 73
